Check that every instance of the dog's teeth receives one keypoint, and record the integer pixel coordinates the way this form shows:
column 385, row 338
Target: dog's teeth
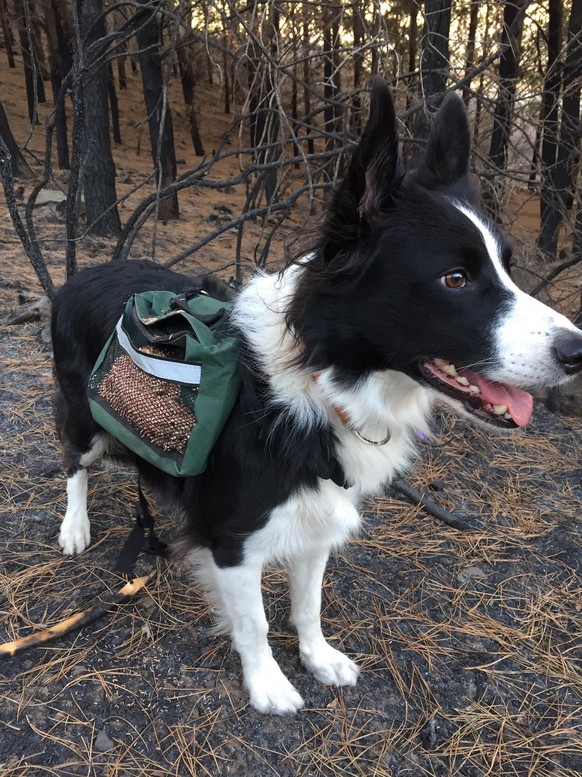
column 474, row 389
column 462, row 380
column 508, row 416
column 446, row 367
column 500, row 409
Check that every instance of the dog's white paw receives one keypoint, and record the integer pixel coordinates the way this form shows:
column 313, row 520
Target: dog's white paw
column 271, row 692
column 75, row 535
column 330, row 666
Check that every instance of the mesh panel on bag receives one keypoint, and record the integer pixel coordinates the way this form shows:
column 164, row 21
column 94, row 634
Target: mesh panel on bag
column 159, row 411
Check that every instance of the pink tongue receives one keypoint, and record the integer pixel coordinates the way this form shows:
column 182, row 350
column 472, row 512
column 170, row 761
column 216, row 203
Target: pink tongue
column 519, row 403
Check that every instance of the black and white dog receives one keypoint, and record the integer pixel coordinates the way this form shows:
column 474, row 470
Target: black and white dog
column 405, row 299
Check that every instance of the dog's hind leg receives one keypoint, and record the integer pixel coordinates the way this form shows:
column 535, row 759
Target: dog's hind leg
column 329, row 665
column 75, row 534
column 237, row 591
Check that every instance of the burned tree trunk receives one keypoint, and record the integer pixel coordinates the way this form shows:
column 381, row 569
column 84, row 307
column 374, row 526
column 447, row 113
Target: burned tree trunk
column 329, row 88
column 550, row 216
column 114, row 105
column 434, row 64
column 358, row 32
column 188, row 83
column 60, row 59
column 264, row 116
column 264, row 127
column 571, row 128
column 307, row 81
column 121, row 74
column 513, row 14
column 19, row 165
column 225, row 67
column 7, row 33
column 159, row 113
column 98, row 169
column 470, row 56
column 561, row 145
column 32, row 77
column 411, row 81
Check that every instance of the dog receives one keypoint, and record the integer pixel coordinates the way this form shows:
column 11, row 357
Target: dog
column 404, row 299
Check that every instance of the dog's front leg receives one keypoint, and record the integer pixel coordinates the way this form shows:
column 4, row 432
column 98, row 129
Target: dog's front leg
column 238, row 590
column 75, row 534
column 329, row 665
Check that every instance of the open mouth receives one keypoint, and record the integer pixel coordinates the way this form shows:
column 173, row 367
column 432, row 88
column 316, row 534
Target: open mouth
column 494, row 403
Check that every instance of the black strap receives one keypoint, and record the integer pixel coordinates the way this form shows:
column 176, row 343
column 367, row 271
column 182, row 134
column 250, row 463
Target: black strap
column 142, row 537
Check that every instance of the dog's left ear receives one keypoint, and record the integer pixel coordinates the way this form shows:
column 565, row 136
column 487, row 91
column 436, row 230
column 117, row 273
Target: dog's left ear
column 445, row 164
column 376, row 169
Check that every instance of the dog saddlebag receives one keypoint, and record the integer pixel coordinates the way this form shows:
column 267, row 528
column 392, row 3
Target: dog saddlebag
column 167, row 379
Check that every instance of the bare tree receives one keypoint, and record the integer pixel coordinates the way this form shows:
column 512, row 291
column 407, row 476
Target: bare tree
column 20, row 166
column 263, row 103
column 98, row 170
column 470, row 55
column 188, row 80
column 549, row 198
column 513, row 14
column 7, row 33
column 434, row 62
column 158, row 108
column 61, row 59
column 34, row 84
column 561, row 139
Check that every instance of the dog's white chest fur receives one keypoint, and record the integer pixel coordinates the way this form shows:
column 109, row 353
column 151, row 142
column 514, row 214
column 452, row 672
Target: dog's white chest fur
column 312, row 520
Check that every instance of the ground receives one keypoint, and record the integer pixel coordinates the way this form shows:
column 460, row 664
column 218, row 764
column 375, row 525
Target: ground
column 468, row 639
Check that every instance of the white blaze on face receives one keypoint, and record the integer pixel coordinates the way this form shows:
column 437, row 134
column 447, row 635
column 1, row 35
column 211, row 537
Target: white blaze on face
column 526, row 330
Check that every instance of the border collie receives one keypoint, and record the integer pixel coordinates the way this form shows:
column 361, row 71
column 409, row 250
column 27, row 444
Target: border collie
column 405, row 299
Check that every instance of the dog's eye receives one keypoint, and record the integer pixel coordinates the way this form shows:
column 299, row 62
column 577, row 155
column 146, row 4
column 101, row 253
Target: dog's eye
column 454, row 280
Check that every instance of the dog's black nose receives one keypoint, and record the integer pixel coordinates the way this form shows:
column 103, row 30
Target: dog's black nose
column 569, row 353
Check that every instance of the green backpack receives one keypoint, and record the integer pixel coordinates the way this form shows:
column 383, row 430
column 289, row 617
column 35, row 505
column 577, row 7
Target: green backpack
column 165, row 382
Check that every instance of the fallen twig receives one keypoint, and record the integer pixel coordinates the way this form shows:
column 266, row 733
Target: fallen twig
column 431, row 507
column 127, row 592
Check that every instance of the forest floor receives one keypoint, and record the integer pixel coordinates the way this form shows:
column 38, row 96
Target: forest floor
column 469, row 641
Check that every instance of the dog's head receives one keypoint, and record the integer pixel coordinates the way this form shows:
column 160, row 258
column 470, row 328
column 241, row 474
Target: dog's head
column 410, row 276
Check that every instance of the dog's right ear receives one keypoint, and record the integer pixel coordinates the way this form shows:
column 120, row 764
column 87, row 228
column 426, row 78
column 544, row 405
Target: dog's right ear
column 445, row 164
column 376, row 169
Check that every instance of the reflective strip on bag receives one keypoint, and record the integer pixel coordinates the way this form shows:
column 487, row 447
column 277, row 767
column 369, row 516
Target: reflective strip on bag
column 159, row 368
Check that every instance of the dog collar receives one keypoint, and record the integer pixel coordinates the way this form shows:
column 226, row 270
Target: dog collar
column 345, row 418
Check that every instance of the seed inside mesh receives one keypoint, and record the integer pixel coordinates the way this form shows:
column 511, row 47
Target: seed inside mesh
column 151, row 406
